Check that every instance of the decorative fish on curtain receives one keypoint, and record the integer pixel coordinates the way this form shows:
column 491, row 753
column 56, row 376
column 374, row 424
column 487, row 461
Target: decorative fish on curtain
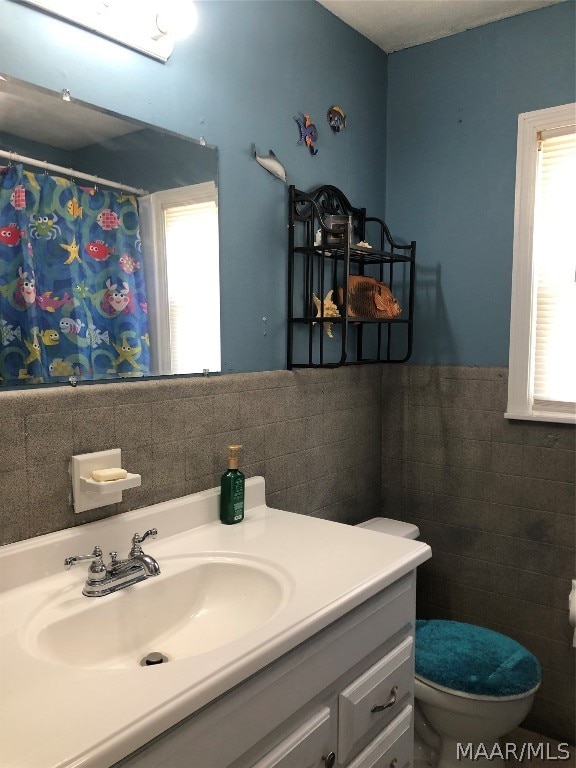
column 72, row 292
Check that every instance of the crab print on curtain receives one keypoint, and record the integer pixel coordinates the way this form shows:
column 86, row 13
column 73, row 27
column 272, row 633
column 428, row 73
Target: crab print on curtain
column 72, row 292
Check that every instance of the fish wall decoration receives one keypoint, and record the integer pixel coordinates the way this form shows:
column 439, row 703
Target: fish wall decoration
column 271, row 163
column 308, row 132
column 336, row 118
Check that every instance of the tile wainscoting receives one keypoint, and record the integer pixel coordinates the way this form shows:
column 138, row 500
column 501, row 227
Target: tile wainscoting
column 314, row 435
column 495, row 501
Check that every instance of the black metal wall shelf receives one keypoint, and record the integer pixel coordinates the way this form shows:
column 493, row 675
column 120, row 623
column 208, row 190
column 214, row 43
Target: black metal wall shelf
column 324, row 261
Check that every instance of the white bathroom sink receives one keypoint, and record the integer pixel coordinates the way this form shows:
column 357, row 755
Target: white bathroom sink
column 195, row 605
column 229, row 601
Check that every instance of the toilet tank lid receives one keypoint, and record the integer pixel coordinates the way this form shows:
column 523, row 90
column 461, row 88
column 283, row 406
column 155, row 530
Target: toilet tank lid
column 393, row 527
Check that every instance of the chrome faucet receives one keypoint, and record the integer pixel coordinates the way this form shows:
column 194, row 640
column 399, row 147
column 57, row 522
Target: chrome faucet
column 118, row 574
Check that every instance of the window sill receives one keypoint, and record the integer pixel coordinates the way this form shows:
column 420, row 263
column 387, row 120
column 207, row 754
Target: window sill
column 552, row 416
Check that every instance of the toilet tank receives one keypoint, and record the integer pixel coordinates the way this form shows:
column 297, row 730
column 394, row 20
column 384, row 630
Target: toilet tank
column 392, row 527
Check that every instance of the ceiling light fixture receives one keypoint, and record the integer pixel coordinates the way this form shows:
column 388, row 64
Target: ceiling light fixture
column 147, row 26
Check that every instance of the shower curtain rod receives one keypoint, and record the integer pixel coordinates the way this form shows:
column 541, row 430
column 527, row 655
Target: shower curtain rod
column 16, row 158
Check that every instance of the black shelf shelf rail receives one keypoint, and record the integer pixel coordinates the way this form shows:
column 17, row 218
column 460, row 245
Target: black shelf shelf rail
column 323, row 252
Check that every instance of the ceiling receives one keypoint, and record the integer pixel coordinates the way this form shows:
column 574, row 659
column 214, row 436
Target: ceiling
column 397, row 24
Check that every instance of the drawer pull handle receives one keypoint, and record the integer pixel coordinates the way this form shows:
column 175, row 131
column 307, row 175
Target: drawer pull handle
column 390, row 703
column 394, row 763
column 329, row 760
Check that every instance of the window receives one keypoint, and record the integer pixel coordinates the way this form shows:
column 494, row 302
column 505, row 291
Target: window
column 179, row 229
column 542, row 364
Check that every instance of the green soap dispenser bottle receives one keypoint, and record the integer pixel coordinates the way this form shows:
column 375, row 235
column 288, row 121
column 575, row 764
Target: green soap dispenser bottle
column 232, row 490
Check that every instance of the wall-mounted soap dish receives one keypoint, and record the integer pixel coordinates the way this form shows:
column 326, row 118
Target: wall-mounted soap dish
column 103, row 487
column 89, row 493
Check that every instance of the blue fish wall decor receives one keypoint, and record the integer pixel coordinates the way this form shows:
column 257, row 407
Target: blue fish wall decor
column 308, row 132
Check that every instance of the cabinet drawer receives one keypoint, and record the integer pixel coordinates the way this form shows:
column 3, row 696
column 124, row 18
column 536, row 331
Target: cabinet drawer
column 304, row 748
column 374, row 698
column 392, row 748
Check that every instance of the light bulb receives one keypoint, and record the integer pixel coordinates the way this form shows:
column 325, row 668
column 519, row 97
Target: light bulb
column 178, row 18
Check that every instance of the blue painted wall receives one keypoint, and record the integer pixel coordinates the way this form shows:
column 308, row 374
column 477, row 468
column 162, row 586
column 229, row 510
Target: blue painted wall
column 248, row 70
column 447, row 164
column 453, row 109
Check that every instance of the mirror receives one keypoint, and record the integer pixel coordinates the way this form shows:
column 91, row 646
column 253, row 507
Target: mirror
column 109, row 254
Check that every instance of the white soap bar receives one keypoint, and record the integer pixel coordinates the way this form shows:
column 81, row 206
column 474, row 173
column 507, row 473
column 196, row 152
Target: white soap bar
column 112, row 473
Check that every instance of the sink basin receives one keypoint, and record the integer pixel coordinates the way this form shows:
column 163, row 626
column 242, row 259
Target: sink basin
column 194, row 606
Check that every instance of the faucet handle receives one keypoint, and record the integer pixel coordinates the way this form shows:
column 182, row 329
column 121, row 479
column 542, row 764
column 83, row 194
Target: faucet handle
column 96, row 556
column 137, row 540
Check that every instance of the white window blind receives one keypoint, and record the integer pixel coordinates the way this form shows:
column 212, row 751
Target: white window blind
column 179, row 229
column 554, row 255
column 193, row 282
column 542, row 360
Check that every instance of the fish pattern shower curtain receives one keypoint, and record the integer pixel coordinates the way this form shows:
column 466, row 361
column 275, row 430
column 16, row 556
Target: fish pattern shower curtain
column 72, row 292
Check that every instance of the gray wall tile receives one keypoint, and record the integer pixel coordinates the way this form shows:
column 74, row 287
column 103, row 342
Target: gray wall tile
column 15, row 510
column 548, row 463
column 175, row 433
column 495, row 500
column 132, row 425
column 197, row 415
column 93, row 429
column 49, row 437
column 225, row 414
column 285, row 437
column 12, row 438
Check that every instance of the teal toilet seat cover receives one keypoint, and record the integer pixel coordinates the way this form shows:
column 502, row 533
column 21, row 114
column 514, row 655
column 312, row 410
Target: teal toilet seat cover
column 473, row 659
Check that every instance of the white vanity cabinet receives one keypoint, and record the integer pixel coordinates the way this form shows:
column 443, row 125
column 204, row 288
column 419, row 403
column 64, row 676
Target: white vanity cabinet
column 308, row 745
column 342, row 698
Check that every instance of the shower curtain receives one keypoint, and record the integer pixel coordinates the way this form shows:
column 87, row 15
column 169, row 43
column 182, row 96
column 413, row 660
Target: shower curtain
column 72, row 292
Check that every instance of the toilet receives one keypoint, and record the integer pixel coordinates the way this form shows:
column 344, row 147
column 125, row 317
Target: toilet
column 472, row 685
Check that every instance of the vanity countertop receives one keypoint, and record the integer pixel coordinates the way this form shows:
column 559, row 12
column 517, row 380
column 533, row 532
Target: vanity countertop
column 64, row 713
